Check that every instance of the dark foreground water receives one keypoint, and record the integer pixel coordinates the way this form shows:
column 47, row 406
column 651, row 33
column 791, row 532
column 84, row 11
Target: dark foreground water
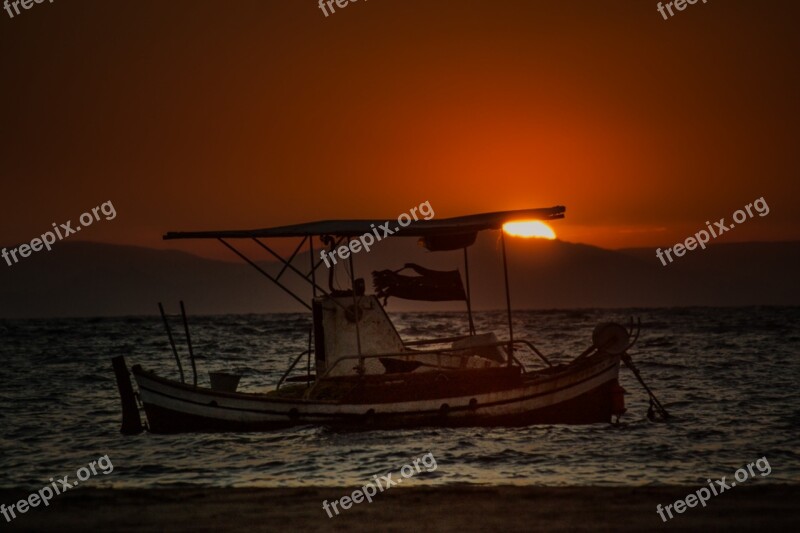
column 729, row 376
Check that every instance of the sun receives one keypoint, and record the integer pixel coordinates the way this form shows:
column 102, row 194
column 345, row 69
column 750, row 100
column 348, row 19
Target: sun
column 529, row 229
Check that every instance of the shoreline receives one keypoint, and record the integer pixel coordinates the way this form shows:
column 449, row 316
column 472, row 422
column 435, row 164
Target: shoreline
column 426, row 508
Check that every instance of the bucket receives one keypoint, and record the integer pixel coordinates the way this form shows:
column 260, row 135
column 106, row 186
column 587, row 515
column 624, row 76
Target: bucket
column 223, row 382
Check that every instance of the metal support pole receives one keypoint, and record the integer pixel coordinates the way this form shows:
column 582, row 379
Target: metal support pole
column 171, row 341
column 189, row 343
column 314, row 295
column 287, row 264
column 313, row 267
column 508, row 300
column 261, row 270
column 308, row 359
column 469, row 296
column 356, row 311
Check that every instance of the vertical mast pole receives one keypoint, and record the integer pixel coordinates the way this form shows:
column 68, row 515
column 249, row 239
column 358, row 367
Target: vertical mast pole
column 508, row 299
column 189, row 343
column 469, row 295
column 314, row 295
column 356, row 310
column 171, row 340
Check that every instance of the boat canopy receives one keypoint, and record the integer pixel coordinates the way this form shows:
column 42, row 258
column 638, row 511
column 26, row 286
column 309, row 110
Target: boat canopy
column 353, row 228
column 434, row 234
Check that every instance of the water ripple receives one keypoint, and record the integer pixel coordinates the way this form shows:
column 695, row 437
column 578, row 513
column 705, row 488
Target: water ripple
column 728, row 375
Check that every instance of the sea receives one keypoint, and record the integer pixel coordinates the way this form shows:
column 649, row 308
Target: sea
column 730, row 378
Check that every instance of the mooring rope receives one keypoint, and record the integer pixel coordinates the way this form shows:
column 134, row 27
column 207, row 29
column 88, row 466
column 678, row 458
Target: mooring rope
column 654, row 403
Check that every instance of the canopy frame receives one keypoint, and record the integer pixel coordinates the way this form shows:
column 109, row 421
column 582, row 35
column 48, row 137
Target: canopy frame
column 338, row 230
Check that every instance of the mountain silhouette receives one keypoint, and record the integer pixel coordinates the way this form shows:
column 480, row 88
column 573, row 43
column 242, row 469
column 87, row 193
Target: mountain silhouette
column 92, row 279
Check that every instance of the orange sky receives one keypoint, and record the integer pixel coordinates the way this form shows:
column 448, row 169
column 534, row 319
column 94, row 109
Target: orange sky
column 193, row 115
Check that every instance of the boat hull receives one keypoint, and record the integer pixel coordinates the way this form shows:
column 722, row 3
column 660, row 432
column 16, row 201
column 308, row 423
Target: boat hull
column 578, row 393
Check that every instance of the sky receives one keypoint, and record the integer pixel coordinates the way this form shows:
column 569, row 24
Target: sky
column 196, row 115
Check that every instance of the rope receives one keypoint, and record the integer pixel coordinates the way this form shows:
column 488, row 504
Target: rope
column 655, row 405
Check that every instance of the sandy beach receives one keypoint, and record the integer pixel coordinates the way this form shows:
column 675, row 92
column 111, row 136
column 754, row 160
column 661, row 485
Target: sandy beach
column 446, row 508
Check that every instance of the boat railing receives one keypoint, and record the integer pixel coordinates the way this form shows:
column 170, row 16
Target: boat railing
column 503, row 344
column 291, row 367
column 361, row 358
column 534, row 349
column 527, row 343
column 436, row 341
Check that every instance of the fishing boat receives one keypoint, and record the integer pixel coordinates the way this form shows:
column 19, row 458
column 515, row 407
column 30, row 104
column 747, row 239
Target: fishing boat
column 365, row 375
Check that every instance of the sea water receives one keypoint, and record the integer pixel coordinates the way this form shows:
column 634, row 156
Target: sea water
column 729, row 377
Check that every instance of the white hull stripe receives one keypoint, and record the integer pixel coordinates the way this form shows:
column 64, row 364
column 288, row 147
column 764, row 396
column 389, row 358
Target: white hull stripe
column 504, row 402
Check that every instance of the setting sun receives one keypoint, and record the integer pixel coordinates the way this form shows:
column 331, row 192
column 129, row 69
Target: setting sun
column 529, row 228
